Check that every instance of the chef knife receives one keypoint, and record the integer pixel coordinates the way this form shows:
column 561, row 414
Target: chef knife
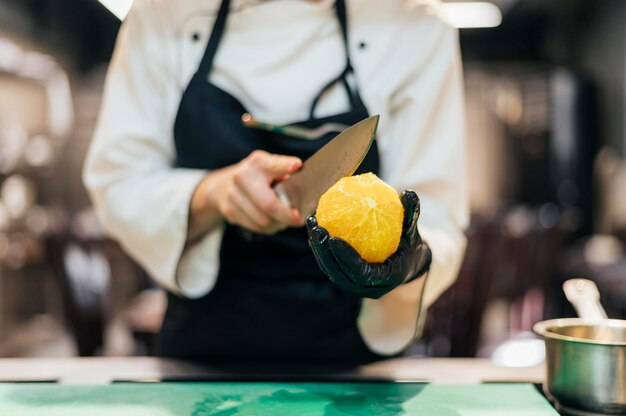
column 338, row 158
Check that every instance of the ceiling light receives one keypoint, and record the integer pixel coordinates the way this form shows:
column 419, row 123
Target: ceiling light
column 473, row 14
column 119, row 8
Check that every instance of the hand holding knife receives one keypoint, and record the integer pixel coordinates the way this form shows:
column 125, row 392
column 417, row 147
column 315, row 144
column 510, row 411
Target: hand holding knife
column 242, row 194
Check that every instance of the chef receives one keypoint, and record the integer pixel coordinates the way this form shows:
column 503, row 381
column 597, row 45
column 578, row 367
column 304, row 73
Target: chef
column 185, row 186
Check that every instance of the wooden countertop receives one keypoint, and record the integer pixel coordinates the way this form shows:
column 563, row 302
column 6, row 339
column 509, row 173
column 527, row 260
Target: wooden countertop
column 106, row 370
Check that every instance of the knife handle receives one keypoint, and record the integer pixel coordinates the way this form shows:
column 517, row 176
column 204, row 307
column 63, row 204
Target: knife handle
column 282, row 194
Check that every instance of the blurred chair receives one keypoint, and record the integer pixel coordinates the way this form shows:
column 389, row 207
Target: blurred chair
column 84, row 276
column 111, row 305
column 513, row 256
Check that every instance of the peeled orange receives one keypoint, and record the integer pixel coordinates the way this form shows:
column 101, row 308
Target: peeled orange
column 365, row 212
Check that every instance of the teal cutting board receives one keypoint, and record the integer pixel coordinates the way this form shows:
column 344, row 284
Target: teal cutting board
column 273, row 399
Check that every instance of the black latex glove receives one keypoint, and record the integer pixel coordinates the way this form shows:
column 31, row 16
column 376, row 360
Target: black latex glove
column 345, row 267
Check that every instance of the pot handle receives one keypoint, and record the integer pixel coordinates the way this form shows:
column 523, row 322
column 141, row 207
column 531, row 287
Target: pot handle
column 584, row 296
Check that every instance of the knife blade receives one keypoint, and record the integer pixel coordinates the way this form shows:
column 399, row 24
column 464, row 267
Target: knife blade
column 338, row 158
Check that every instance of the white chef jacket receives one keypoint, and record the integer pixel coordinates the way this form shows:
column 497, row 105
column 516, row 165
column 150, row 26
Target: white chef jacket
column 275, row 57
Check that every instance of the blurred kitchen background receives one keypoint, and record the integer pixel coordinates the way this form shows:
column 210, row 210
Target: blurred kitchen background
column 546, row 106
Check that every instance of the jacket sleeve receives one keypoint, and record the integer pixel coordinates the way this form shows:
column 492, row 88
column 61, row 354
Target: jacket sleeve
column 422, row 149
column 139, row 196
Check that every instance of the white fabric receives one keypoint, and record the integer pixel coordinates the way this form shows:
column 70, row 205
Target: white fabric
column 275, row 56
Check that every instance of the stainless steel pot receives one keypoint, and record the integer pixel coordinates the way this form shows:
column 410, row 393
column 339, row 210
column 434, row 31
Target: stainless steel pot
column 585, row 357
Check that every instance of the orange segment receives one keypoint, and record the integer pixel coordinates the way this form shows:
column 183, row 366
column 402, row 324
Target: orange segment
column 366, row 212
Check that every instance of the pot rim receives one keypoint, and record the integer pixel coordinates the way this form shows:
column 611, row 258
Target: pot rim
column 543, row 328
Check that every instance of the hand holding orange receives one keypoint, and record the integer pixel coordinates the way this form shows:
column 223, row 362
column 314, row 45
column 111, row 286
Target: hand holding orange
column 361, row 219
column 365, row 212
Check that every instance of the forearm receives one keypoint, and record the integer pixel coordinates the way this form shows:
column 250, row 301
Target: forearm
column 204, row 214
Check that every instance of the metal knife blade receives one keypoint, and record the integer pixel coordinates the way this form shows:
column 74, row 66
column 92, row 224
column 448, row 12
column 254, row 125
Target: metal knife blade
column 338, row 158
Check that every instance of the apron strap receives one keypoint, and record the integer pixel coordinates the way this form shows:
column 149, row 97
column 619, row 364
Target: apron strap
column 340, row 9
column 343, row 78
column 216, row 36
column 219, row 26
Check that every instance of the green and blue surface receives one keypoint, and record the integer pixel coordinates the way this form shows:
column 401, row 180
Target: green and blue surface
column 274, row 399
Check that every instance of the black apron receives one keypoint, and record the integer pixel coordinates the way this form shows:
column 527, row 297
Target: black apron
column 271, row 302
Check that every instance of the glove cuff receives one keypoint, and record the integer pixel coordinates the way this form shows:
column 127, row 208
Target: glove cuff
column 423, row 262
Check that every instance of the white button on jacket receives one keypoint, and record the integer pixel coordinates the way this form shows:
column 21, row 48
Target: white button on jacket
column 274, row 58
